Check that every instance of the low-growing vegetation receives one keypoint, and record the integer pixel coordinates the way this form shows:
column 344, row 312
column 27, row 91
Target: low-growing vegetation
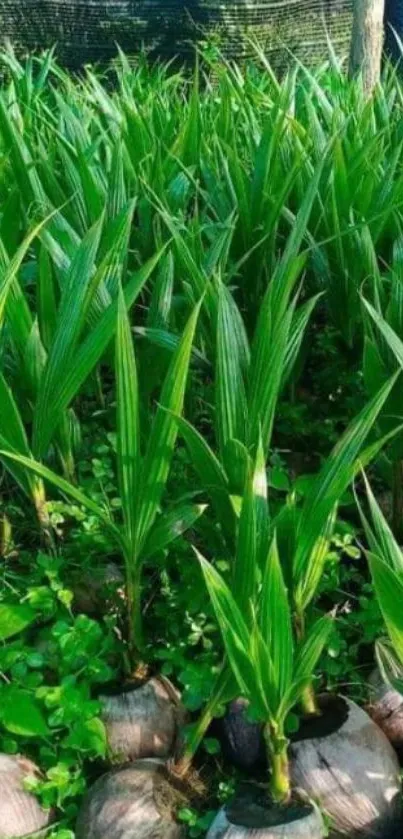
column 201, row 450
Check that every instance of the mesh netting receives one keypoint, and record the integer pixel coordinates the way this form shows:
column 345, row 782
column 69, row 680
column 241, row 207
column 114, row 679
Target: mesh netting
column 394, row 27
column 88, row 30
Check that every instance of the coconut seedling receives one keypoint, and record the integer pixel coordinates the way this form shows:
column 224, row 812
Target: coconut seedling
column 331, row 750
column 384, row 312
column 330, row 756
column 249, row 380
column 385, row 558
column 304, row 533
column 269, row 667
column 11, row 428
column 140, row 722
column 250, row 372
column 36, row 412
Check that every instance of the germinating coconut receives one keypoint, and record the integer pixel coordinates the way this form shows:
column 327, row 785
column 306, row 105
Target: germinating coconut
column 251, row 816
column 345, row 763
column 242, row 740
column 130, row 803
column 20, row 812
column 386, row 709
column 143, row 721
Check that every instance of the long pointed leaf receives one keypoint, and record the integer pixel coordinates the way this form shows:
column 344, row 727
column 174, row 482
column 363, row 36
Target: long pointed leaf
column 128, row 428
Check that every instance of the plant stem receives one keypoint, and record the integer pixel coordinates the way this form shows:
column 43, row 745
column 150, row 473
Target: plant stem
column 39, row 498
column 134, row 613
column 181, row 767
column 277, row 754
column 219, row 696
column 308, row 700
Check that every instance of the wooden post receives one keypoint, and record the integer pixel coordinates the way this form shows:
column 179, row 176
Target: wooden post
column 367, row 41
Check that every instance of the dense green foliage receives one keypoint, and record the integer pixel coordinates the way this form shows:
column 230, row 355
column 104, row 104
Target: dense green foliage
column 201, row 336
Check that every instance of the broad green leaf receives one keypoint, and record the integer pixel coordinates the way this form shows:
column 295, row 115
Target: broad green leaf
column 231, row 408
column 306, row 659
column 380, row 537
column 297, row 332
column 268, row 358
column 46, row 299
column 237, row 463
column 128, row 428
column 234, row 631
column 88, row 736
column 253, row 533
column 265, row 697
column 91, row 350
column 14, row 617
column 335, row 476
column 245, row 579
column 170, row 525
column 11, row 425
column 13, row 437
column 392, row 340
column 7, row 275
column 275, row 621
column 389, row 592
column 211, row 475
column 390, row 667
column 76, row 298
column 157, row 459
column 21, row 714
column 316, row 564
column 161, row 300
column 285, row 278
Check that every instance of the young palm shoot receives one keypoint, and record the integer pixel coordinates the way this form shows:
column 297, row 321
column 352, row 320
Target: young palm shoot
column 143, row 472
column 312, row 526
column 383, row 323
column 81, row 327
column 270, row 670
column 307, row 531
column 12, row 431
column 385, row 559
column 345, row 762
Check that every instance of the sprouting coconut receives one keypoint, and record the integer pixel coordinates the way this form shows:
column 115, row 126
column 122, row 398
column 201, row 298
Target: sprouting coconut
column 385, row 559
column 344, row 761
column 271, row 674
column 242, row 740
column 20, row 812
column 138, row 801
column 248, row 816
column 386, row 709
column 142, row 721
column 144, row 531
column 304, row 530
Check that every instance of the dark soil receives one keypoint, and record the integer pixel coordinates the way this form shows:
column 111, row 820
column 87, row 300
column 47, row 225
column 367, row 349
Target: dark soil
column 333, row 714
column 253, row 808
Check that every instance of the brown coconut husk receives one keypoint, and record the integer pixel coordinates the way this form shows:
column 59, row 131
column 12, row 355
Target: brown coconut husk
column 386, row 709
column 343, row 761
column 251, row 816
column 20, row 812
column 139, row 801
column 242, row 741
column 143, row 721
